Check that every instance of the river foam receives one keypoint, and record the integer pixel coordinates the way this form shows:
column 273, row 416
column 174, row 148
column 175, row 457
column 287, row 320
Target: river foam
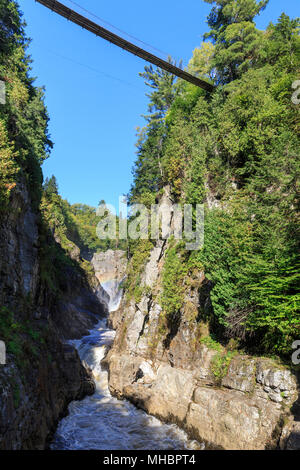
column 100, row 421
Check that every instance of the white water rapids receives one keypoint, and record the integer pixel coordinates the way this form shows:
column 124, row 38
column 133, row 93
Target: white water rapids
column 100, row 421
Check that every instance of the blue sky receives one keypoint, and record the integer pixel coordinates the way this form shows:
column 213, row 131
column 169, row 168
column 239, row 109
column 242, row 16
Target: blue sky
column 94, row 94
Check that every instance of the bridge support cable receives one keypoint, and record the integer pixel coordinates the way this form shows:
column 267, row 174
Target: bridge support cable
column 98, row 30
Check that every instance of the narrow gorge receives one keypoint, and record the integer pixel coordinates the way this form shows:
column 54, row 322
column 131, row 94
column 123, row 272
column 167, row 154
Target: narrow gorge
column 101, row 422
column 172, row 323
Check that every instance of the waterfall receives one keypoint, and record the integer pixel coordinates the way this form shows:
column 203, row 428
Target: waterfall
column 100, row 421
column 115, row 293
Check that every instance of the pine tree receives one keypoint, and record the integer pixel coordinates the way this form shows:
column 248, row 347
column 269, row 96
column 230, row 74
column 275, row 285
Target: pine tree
column 51, row 186
column 235, row 37
column 163, row 94
column 148, row 172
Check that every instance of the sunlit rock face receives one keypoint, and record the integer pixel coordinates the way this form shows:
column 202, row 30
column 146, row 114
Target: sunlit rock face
column 110, row 265
column 170, row 373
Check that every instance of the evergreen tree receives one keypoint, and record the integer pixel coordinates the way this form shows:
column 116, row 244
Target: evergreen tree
column 200, row 63
column 238, row 151
column 148, row 172
column 163, row 94
column 23, row 118
column 281, row 46
column 235, row 37
column 51, row 186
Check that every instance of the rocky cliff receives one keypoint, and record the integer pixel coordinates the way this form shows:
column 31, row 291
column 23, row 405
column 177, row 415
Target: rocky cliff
column 173, row 369
column 42, row 373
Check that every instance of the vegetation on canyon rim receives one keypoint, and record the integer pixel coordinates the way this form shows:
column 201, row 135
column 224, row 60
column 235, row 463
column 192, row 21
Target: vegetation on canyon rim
column 237, row 149
column 24, row 145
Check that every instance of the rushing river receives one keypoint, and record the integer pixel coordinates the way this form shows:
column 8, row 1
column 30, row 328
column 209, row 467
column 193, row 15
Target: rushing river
column 101, row 422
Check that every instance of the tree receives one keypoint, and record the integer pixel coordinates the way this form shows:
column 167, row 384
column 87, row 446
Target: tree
column 163, row 94
column 12, row 27
column 51, row 186
column 148, row 171
column 24, row 116
column 235, row 37
column 200, row 63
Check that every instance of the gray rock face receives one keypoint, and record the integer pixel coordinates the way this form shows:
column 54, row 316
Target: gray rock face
column 170, row 373
column 240, row 374
column 109, row 265
column 28, row 250
column 152, row 268
column 110, row 268
column 30, row 410
column 36, row 389
column 290, row 437
column 230, row 420
column 278, row 384
column 18, row 248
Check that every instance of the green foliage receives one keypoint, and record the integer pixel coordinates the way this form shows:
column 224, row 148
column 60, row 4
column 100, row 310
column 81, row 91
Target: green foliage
column 236, row 150
column 200, row 63
column 220, row 364
column 174, row 272
column 281, row 45
column 273, row 289
column 148, row 171
column 9, row 169
column 141, row 252
column 74, row 231
column 50, row 186
column 164, row 90
column 227, row 241
column 24, row 139
column 62, row 236
column 235, row 37
column 82, row 223
column 21, row 339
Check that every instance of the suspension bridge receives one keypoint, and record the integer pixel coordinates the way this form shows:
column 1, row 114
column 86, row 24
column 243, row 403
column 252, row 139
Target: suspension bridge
column 113, row 38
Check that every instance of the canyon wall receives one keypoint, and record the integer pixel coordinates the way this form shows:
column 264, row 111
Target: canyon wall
column 174, row 370
column 42, row 373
